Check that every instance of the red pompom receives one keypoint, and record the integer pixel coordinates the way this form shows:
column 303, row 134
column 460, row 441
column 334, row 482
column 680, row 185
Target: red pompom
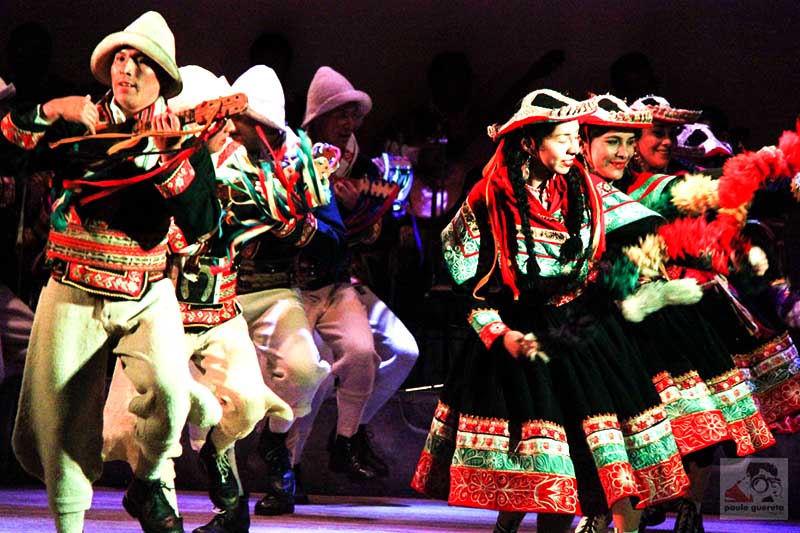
column 789, row 144
column 741, row 176
column 717, row 244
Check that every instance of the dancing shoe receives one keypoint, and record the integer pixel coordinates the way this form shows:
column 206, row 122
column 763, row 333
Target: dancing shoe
column 345, row 459
column 236, row 520
column 688, row 518
column 363, row 444
column 145, row 501
column 593, row 524
column 279, row 497
column 222, row 486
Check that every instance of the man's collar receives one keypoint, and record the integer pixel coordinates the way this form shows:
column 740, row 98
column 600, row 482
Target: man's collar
column 118, row 115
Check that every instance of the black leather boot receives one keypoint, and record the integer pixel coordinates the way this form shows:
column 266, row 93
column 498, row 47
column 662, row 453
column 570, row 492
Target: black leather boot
column 145, row 501
column 508, row 522
column 368, row 455
column 346, row 459
column 688, row 518
column 594, row 524
column 279, row 497
column 235, row 520
column 652, row 516
column 222, row 486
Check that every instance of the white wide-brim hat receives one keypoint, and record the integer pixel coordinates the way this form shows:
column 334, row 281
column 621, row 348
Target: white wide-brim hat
column 329, row 90
column 697, row 141
column 199, row 85
column 613, row 112
column 543, row 105
column 266, row 103
column 664, row 112
column 151, row 36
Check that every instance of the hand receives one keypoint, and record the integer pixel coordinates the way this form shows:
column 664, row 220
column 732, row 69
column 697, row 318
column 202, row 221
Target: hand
column 757, row 258
column 522, row 345
column 167, row 122
column 77, row 109
column 346, row 193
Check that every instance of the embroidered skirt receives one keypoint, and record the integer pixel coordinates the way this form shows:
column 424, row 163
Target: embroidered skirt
column 517, row 435
column 763, row 351
column 706, row 396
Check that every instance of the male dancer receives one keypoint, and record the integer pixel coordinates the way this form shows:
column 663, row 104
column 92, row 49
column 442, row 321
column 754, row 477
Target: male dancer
column 108, row 247
column 267, row 279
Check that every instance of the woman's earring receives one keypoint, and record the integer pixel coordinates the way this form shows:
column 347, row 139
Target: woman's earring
column 636, row 160
column 526, row 168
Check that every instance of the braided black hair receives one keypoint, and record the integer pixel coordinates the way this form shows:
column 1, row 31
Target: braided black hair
column 515, row 158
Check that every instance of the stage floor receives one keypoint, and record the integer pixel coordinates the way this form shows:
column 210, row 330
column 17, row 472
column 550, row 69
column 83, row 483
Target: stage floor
column 25, row 510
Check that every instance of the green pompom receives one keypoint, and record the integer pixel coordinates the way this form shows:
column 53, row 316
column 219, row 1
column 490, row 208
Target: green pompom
column 622, row 278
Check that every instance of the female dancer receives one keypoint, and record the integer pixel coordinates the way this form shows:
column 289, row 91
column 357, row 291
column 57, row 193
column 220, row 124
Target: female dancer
column 706, row 396
column 527, row 241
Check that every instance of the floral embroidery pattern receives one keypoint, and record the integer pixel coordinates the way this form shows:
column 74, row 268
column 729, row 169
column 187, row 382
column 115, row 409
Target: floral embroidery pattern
column 638, row 457
column 178, row 181
column 461, row 241
column 773, row 373
column 478, row 465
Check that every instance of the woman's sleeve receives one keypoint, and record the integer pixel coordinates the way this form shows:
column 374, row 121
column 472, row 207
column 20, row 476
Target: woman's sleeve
column 469, row 262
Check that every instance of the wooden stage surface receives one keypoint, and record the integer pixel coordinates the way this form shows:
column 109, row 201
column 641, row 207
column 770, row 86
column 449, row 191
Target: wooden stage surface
column 24, row 510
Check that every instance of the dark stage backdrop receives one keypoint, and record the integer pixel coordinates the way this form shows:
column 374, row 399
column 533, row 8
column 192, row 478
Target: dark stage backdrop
column 740, row 55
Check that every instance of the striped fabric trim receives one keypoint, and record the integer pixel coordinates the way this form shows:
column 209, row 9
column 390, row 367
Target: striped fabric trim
column 475, row 467
column 696, row 420
column 95, row 245
column 488, row 325
column 638, row 458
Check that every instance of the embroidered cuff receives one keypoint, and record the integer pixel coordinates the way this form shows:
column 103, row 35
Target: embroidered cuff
column 176, row 239
column 308, row 229
column 283, row 230
column 18, row 136
column 178, row 180
column 488, row 324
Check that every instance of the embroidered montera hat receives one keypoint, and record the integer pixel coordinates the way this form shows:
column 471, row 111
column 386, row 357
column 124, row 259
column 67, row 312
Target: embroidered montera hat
column 543, row 105
column 613, row 112
column 151, row 36
column 663, row 111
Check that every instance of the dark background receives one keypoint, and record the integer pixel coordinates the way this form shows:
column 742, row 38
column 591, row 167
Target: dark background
column 739, row 55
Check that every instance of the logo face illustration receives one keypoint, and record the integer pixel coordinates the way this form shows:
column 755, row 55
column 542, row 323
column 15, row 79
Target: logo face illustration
column 754, row 488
